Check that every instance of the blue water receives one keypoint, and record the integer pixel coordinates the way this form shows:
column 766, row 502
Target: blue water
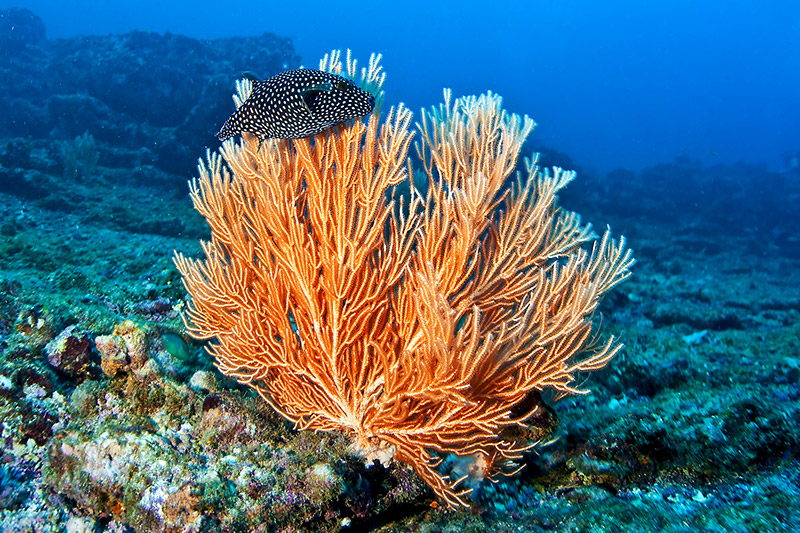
column 614, row 84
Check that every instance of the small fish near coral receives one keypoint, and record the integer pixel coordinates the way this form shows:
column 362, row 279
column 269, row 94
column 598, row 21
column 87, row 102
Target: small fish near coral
column 297, row 103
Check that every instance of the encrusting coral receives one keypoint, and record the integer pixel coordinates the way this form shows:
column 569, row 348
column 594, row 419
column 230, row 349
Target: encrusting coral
column 420, row 325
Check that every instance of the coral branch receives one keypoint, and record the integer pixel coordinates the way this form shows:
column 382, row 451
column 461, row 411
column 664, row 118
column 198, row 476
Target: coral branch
column 420, row 330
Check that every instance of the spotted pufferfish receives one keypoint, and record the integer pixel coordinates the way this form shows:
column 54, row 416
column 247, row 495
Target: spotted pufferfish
column 297, row 103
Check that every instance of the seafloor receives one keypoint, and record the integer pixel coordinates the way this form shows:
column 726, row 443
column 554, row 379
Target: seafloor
column 693, row 427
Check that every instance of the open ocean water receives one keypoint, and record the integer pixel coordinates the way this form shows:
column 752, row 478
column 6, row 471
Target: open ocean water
column 682, row 120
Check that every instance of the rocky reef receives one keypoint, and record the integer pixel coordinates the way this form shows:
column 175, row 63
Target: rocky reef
column 146, row 99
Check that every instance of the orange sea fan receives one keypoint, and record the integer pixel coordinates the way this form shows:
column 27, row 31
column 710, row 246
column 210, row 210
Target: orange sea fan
column 420, row 325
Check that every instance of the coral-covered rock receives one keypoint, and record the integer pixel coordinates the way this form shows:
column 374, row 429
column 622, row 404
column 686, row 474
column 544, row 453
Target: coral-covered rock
column 113, row 354
column 203, row 381
column 95, row 470
column 222, row 422
column 156, row 306
column 181, row 508
column 125, row 349
column 70, row 352
column 37, row 424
